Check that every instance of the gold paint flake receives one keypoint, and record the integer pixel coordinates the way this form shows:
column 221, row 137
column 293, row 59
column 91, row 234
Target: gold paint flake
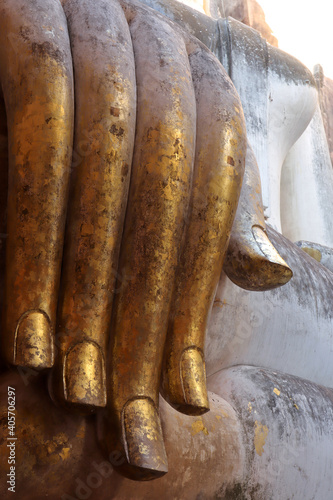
column 64, row 453
column 313, row 252
column 224, row 415
column 198, row 426
column 260, row 435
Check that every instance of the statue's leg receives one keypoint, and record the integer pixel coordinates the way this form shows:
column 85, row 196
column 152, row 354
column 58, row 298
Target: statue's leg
column 37, row 81
column 218, row 173
column 105, row 112
column 252, row 262
column 155, row 220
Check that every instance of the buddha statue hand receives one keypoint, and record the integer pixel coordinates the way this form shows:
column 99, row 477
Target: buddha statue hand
column 158, row 139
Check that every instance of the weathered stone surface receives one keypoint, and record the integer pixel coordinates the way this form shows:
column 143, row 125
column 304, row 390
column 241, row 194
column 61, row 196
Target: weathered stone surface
column 287, row 431
column 266, row 432
column 325, row 90
column 271, row 432
column 238, row 9
column 307, row 187
column 278, row 95
column 198, row 24
column 248, row 12
column 257, row 21
column 57, row 455
column 320, row 253
column 288, row 329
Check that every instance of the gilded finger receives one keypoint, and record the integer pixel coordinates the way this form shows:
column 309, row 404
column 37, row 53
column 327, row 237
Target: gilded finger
column 218, row 174
column 155, row 218
column 252, row 262
column 37, row 81
column 105, row 113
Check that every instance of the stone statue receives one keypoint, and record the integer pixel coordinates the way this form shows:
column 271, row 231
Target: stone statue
column 151, row 197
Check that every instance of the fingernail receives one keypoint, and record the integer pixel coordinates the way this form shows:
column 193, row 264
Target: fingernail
column 84, row 375
column 278, row 271
column 143, row 439
column 33, row 341
column 193, row 378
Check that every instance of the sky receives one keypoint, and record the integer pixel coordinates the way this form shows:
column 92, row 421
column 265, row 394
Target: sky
column 304, row 28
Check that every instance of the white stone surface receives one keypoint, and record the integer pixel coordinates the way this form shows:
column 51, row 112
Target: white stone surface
column 288, row 329
column 291, row 105
column 287, row 432
column 307, row 187
column 279, row 98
